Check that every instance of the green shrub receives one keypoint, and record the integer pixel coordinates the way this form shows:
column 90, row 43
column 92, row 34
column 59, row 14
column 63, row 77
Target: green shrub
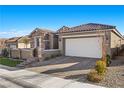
column 94, row 76
column 100, row 67
column 59, row 55
column 108, row 60
column 53, row 56
column 9, row 62
column 47, row 58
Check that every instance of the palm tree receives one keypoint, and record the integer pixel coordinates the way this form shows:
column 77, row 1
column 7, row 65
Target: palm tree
column 25, row 41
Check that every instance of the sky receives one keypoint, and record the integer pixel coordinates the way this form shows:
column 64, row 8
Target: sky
column 21, row 20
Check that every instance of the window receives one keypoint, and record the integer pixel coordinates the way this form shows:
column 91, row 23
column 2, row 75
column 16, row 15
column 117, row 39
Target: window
column 47, row 45
column 47, row 41
column 37, row 42
column 46, row 37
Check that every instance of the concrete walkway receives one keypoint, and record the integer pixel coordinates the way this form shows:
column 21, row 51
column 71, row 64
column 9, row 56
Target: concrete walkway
column 28, row 79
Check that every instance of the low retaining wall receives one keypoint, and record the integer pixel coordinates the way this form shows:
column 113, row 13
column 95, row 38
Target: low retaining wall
column 15, row 53
column 27, row 53
column 51, row 53
column 21, row 53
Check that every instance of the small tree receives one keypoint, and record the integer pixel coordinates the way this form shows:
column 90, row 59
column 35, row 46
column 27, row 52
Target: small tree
column 25, row 41
column 5, row 52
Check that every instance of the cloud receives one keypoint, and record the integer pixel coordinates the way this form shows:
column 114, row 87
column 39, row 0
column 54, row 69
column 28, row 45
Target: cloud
column 14, row 33
column 6, row 33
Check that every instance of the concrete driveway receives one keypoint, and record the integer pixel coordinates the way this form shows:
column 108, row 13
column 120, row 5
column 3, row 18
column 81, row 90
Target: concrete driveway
column 65, row 67
column 28, row 79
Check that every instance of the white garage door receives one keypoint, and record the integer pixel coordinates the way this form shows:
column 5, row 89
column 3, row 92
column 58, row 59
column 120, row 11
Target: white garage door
column 84, row 47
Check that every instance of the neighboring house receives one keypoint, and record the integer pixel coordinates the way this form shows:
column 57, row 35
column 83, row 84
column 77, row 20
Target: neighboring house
column 43, row 39
column 24, row 42
column 2, row 44
column 18, row 42
column 90, row 40
column 12, row 42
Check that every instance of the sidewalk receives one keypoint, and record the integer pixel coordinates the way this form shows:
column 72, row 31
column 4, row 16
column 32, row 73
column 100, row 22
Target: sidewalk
column 29, row 79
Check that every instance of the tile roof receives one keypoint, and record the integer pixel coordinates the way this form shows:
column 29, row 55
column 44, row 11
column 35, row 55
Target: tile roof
column 40, row 30
column 11, row 40
column 85, row 27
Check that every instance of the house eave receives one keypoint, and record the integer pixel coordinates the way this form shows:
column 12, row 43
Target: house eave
column 89, row 31
column 93, row 31
column 118, row 33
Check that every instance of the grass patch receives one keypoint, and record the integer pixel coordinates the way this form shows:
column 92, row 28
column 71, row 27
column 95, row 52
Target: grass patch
column 9, row 62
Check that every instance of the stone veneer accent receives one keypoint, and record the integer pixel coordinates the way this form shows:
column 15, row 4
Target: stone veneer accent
column 41, row 33
column 15, row 53
column 21, row 53
column 51, row 53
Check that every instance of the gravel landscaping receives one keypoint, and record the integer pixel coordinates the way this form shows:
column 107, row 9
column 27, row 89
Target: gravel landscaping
column 77, row 68
column 114, row 77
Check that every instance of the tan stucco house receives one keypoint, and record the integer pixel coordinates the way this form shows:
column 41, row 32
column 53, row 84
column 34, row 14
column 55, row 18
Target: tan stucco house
column 2, row 44
column 12, row 42
column 24, row 42
column 18, row 42
column 90, row 40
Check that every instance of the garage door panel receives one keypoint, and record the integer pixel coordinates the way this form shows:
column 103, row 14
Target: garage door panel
column 84, row 47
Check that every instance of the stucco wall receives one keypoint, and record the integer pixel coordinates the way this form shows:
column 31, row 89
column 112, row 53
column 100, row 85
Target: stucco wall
column 123, row 43
column 12, row 45
column 116, row 44
column 22, row 45
column 115, row 40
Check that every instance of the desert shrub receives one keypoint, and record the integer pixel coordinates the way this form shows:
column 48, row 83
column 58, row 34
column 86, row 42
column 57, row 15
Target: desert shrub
column 35, row 52
column 94, row 76
column 47, row 58
column 57, row 55
column 100, row 67
column 98, row 73
column 108, row 60
column 5, row 53
column 53, row 56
